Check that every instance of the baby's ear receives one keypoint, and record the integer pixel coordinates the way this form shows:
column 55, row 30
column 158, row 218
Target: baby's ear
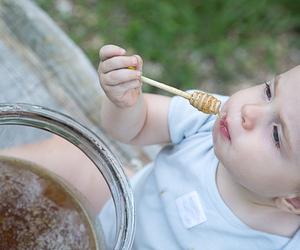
column 290, row 204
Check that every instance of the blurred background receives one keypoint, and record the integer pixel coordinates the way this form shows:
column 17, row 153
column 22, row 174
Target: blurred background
column 214, row 45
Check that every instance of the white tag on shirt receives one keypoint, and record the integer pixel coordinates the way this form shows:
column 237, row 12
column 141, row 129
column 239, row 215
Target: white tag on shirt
column 190, row 210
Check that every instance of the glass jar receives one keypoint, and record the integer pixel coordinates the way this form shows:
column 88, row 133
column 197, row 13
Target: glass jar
column 96, row 150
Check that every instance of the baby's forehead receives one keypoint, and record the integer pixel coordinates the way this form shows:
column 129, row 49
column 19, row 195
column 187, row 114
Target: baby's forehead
column 288, row 85
column 288, row 89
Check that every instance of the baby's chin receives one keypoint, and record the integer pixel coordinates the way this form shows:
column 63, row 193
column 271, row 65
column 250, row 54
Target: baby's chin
column 214, row 131
column 215, row 136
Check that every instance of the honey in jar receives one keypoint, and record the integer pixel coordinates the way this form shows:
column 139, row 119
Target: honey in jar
column 39, row 211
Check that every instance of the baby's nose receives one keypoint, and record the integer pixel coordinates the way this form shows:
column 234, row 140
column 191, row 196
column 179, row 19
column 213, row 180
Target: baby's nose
column 251, row 114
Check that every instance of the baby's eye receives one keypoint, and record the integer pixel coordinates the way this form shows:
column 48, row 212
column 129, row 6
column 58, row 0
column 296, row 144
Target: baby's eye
column 276, row 136
column 268, row 91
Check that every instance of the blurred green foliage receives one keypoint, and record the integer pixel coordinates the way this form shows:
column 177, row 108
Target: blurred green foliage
column 189, row 41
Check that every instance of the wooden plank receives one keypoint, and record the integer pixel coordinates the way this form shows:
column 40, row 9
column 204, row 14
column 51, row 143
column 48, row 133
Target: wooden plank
column 39, row 64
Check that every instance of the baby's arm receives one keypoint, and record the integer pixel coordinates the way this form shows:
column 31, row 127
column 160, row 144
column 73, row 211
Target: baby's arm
column 127, row 114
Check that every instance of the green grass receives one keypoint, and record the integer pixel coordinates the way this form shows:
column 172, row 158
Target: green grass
column 189, row 41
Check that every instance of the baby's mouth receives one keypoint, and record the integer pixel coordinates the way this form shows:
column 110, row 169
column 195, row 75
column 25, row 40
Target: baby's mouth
column 224, row 126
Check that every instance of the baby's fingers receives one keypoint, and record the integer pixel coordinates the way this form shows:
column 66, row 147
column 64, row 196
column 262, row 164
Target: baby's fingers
column 124, row 87
column 139, row 65
column 120, row 76
column 108, row 51
column 125, row 94
column 118, row 62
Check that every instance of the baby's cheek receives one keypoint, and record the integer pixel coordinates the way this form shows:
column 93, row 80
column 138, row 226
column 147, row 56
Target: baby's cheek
column 248, row 152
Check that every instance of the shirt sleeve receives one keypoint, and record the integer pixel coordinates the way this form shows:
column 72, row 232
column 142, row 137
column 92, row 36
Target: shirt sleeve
column 184, row 120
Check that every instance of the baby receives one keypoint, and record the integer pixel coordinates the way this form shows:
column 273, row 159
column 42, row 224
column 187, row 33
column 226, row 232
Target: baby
column 221, row 183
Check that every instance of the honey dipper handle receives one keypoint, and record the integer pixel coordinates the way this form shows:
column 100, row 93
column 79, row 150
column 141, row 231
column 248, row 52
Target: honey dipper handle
column 202, row 101
column 166, row 87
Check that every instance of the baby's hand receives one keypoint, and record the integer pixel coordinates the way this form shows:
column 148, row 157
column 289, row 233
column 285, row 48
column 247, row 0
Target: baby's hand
column 121, row 85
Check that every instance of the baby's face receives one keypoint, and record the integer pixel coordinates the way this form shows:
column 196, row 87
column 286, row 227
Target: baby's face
column 258, row 139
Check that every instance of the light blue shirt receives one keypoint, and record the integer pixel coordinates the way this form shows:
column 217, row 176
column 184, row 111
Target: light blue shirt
column 178, row 205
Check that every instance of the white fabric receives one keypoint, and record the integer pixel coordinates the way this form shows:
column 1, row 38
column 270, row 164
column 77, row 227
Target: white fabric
column 189, row 165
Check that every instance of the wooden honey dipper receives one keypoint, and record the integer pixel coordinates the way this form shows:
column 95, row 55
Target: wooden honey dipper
column 200, row 100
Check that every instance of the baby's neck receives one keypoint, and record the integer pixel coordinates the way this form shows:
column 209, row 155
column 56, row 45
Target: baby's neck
column 257, row 212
